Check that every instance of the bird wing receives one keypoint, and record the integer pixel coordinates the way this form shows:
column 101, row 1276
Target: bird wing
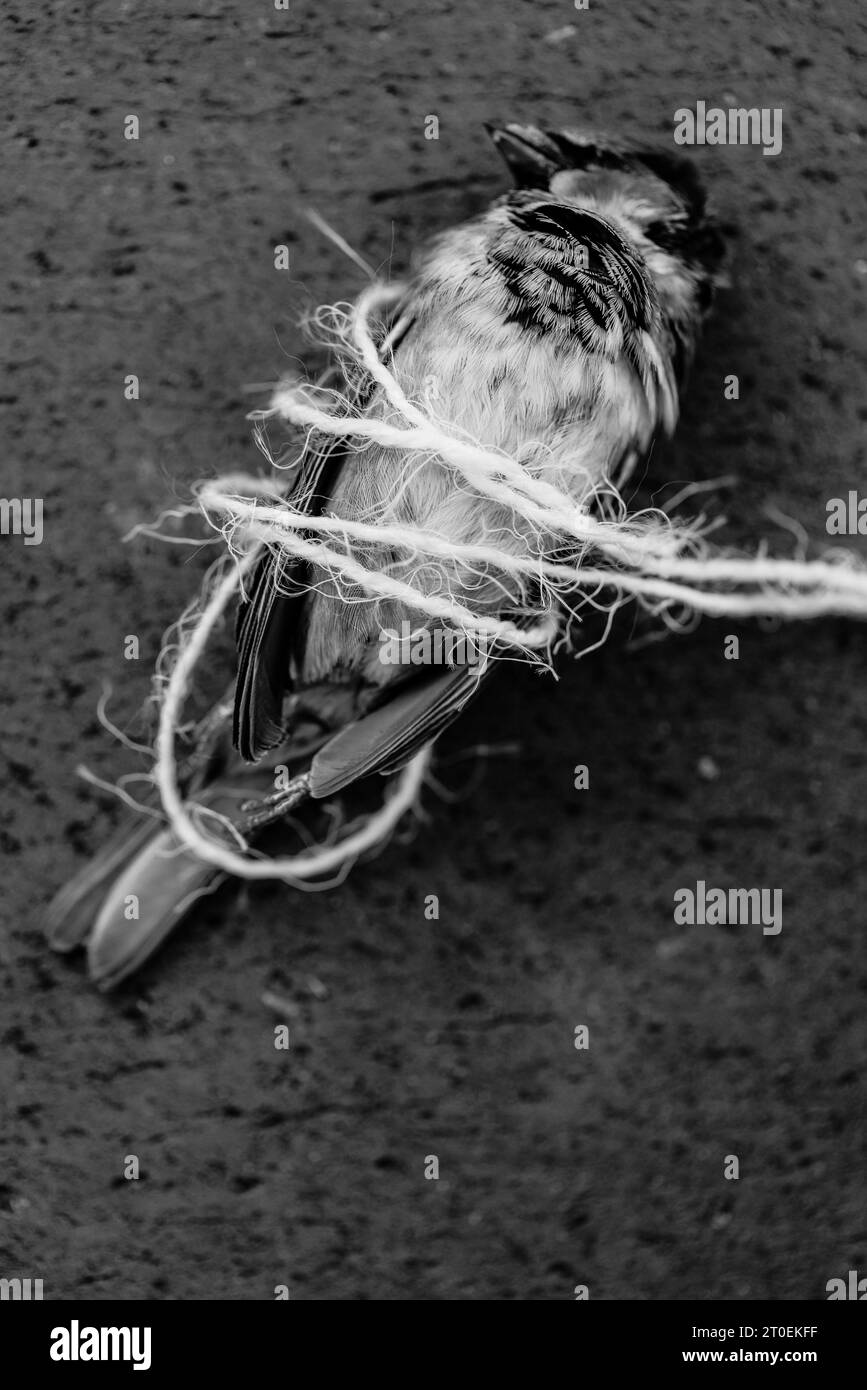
column 268, row 619
column 390, row 735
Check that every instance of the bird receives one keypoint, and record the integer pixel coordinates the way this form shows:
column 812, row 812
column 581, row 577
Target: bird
column 557, row 325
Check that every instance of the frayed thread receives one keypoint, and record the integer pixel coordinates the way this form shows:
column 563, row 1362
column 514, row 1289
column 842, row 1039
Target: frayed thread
column 296, row 868
column 667, row 565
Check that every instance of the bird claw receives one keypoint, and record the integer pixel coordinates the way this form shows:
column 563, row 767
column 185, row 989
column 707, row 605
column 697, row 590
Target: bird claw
column 271, row 808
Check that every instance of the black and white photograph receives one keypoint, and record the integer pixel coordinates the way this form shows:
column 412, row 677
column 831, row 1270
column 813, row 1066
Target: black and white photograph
column 434, row 583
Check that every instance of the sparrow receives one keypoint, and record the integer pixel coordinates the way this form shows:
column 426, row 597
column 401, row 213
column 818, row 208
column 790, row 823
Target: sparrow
column 558, row 326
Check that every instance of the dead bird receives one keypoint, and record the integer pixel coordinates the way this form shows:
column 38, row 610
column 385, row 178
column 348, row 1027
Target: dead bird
column 557, row 326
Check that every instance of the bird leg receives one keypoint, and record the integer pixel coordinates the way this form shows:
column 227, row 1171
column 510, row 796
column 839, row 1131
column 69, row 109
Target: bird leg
column 211, row 731
column 258, row 814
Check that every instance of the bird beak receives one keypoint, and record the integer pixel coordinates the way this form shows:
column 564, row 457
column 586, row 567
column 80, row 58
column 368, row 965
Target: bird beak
column 531, row 156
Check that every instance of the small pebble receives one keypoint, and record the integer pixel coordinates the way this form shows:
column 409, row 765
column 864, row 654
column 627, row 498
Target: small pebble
column 561, row 35
column 707, row 769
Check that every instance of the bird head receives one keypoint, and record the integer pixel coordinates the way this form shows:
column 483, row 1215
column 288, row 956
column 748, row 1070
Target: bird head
column 656, row 197
column 639, row 215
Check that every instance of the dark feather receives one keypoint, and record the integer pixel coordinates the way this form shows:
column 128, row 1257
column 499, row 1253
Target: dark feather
column 389, row 736
column 401, row 722
column 265, row 639
column 268, row 620
column 573, row 270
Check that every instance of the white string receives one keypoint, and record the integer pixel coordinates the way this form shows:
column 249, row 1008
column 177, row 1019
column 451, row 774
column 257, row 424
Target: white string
column 667, row 565
column 297, row 867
